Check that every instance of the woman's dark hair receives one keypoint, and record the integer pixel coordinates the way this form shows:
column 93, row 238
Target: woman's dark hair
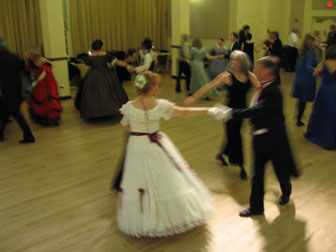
column 248, row 36
column 147, row 44
column 234, row 34
column 97, row 45
column 221, row 39
column 331, row 52
column 245, row 27
column 276, row 34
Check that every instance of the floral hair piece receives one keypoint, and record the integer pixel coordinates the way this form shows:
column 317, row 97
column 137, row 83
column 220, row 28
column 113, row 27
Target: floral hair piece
column 140, row 81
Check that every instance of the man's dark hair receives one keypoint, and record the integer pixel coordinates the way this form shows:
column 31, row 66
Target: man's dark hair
column 221, row 39
column 97, row 45
column 147, row 43
column 234, row 35
column 245, row 27
column 271, row 62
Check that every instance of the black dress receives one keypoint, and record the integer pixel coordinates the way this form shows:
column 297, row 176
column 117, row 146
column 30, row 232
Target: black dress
column 237, row 99
column 249, row 50
column 102, row 94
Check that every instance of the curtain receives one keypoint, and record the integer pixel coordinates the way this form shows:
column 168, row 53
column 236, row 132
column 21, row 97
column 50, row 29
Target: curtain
column 20, row 24
column 120, row 24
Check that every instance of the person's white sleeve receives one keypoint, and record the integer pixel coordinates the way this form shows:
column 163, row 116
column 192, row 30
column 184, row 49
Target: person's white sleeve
column 124, row 111
column 147, row 63
column 113, row 62
column 167, row 108
column 124, row 121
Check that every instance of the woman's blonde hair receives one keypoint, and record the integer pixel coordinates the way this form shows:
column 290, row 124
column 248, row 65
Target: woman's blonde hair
column 307, row 44
column 35, row 52
column 244, row 61
column 151, row 80
column 197, row 43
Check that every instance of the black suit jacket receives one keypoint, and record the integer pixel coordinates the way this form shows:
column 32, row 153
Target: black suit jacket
column 276, row 49
column 235, row 46
column 10, row 78
column 268, row 114
column 331, row 40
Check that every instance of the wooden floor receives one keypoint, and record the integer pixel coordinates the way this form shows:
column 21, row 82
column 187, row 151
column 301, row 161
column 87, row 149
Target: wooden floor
column 54, row 194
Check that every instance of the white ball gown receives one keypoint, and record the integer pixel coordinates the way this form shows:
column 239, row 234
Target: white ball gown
column 160, row 195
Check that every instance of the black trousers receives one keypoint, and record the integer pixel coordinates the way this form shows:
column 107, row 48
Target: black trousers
column 233, row 147
column 185, row 69
column 292, row 54
column 7, row 110
column 262, row 154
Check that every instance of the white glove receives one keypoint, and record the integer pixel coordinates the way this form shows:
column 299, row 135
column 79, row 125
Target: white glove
column 220, row 112
column 34, row 83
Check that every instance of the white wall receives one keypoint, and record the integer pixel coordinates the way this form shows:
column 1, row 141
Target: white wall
column 211, row 19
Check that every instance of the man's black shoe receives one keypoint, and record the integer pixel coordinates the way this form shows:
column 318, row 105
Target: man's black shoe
column 220, row 158
column 249, row 212
column 283, row 200
column 27, row 140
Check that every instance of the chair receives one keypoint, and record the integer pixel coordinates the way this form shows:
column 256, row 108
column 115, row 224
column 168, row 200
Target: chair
column 162, row 61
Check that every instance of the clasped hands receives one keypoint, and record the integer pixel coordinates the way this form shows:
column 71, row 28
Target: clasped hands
column 220, row 112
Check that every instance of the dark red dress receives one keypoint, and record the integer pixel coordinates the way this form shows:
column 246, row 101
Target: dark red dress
column 44, row 101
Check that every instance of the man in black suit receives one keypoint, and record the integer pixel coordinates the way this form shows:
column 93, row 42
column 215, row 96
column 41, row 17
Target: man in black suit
column 331, row 39
column 270, row 140
column 234, row 43
column 10, row 93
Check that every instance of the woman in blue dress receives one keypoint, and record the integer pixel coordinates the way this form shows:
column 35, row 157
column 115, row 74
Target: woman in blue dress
column 321, row 128
column 305, row 82
column 218, row 65
column 199, row 76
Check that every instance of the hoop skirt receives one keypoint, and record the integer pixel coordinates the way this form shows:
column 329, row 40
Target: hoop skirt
column 160, row 195
column 321, row 128
column 102, row 94
column 44, row 101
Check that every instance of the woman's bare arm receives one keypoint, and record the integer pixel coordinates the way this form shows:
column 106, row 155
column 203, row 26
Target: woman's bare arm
column 188, row 111
column 318, row 69
column 221, row 79
column 254, row 80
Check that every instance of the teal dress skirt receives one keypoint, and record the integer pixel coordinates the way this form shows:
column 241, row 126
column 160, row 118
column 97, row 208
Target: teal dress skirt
column 199, row 76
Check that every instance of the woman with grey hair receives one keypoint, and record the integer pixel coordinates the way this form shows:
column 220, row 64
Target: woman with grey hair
column 238, row 80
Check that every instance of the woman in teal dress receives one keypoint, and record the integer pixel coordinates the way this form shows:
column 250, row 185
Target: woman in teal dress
column 199, row 76
column 219, row 65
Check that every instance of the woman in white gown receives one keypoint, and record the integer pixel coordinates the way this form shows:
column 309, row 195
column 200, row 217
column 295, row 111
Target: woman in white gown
column 159, row 195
